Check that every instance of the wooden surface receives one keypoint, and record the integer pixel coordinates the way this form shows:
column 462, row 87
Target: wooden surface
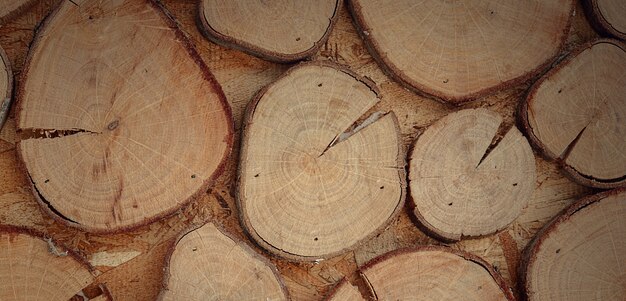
column 466, row 179
column 461, row 50
column 281, row 31
column 132, row 263
column 128, row 125
column 576, row 113
column 586, row 243
column 307, row 190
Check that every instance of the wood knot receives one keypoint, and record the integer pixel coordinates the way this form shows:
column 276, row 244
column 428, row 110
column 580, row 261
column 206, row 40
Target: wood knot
column 113, row 125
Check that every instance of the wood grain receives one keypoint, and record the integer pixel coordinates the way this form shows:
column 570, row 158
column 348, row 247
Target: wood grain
column 241, row 76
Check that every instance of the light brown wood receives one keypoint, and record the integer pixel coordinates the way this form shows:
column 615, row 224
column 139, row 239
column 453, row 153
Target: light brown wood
column 133, row 124
column 344, row 291
column 581, row 254
column 206, row 264
column 459, row 50
column 575, row 114
column 34, row 268
column 6, row 86
column 463, row 185
column 434, row 273
column 308, row 187
column 241, row 76
column 282, row 31
column 11, row 8
column 607, row 16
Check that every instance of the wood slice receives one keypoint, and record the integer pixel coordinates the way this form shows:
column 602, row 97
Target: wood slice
column 6, row 86
column 607, row 16
column 281, row 31
column 128, row 124
column 344, row 291
column 461, row 184
column 206, row 264
column 434, row 273
column 12, row 8
column 36, row 268
column 309, row 189
column 575, row 114
column 581, row 254
column 459, row 50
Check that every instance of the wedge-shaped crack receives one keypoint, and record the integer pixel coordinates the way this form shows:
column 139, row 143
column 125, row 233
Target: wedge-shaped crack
column 470, row 175
column 325, row 171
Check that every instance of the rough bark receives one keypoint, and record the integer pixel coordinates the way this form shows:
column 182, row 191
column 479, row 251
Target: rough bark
column 607, row 16
column 6, row 86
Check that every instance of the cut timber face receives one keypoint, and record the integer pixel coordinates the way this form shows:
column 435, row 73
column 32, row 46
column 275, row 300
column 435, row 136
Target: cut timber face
column 307, row 188
column 581, row 254
column 461, row 188
column 460, row 50
column 6, row 86
column 34, row 268
column 133, row 123
column 11, row 8
column 576, row 114
column 205, row 264
column 281, row 31
column 608, row 16
column 434, row 273
column 344, row 291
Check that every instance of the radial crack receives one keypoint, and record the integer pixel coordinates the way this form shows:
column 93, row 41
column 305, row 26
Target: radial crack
column 568, row 150
column 37, row 133
column 353, row 129
column 503, row 130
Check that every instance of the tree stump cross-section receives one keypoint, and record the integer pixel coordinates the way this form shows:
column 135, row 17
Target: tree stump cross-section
column 464, row 181
column 281, row 31
column 122, row 121
column 207, row 264
column 575, row 114
column 581, row 254
column 461, row 50
column 308, row 187
column 36, row 268
column 427, row 273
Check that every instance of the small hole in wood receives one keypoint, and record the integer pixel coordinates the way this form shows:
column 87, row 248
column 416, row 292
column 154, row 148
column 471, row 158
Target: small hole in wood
column 558, row 251
column 491, row 12
column 297, row 39
column 113, row 125
column 257, row 175
column 560, row 90
column 319, row 85
column 514, row 184
column 135, row 206
column 449, row 204
column 445, row 81
column 46, row 181
column 194, row 249
column 315, row 239
column 193, row 176
column 382, row 187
